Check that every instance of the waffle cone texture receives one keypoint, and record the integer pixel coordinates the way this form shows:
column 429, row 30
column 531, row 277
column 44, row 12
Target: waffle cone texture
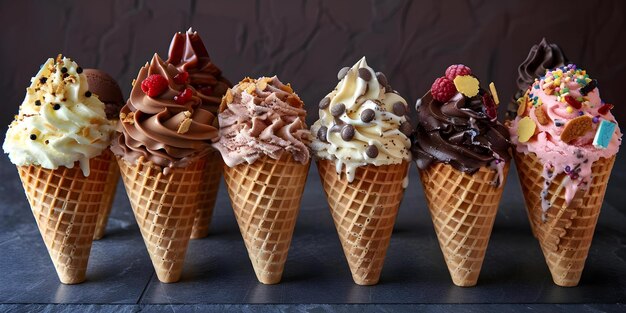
column 207, row 195
column 364, row 213
column 463, row 208
column 566, row 234
column 164, row 207
column 113, row 175
column 65, row 205
column 265, row 197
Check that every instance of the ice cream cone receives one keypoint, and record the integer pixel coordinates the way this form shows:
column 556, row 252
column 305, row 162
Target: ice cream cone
column 364, row 212
column 207, row 196
column 265, row 196
column 113, row 175
column 566, row 233
column 65, row 204
column 463, row 208
column 164, row 207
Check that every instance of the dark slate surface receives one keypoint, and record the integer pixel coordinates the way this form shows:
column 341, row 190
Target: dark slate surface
column 217, row 268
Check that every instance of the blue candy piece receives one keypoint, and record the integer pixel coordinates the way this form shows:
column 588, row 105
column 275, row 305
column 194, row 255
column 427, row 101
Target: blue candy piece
column 604, row 134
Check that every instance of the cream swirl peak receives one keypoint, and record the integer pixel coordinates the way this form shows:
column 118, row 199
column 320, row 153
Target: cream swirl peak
column 163, row 120
column 60, row 122
column 188, row 53
column 262, row 117
column 362, row 121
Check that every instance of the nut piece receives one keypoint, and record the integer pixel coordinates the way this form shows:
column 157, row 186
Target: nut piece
column 576, row 128
column 541, row 115
column 184, row 126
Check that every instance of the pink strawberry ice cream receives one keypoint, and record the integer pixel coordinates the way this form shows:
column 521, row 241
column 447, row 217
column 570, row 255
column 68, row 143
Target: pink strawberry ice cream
column 563, row 120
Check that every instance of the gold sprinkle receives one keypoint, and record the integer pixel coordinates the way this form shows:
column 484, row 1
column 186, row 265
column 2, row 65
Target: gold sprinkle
column 494, row 93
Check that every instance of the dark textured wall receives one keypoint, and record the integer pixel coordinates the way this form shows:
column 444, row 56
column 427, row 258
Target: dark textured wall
column 307, row 42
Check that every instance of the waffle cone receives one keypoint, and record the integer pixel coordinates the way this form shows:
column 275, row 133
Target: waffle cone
column 207, row 196
column 113, row 175
column 463, row 208
column 566, row 234
column 364, row 212
column 65, row 204
column 265, row 196
column 164, row 207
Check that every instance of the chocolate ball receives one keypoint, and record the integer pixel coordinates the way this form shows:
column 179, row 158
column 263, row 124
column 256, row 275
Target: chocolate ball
column 371, row 151
column 368, row 115
column 365, row 74
column 324, row 103
column 382, row 79
column 343, row 72
column 321, row 134
column 337, row 109
column 399, row 108
column 347, row 132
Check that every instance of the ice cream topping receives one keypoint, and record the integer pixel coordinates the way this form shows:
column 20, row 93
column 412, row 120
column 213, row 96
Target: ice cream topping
column 543, row 56
column 460, row 129
column 163, row 121
column 262, row 117
column 60, row 122
column 563, row 121
column 189, row 55
column 107, row 90
column 362, row 121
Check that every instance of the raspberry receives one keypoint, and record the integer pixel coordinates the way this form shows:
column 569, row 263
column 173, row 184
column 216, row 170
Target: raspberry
column 184, row 96
column 443, row 89
column 457, row 70
column 181, row 78
column 154, row 85
column 491, row 110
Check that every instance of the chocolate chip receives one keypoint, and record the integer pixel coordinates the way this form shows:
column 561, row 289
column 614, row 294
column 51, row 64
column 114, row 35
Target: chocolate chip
column 56, row 106
column 324, row 103
column 589, row 87
column 43, row 80
column 321, row 134
column 88, row 94
column 365, row 74
column 371, row 151
column 338, row 109
column 33, row 137
column 65, row 75
column 347, row 132
column 64, row 70
column 382, row 79
column 79, row 70
column 343, row 72
column 406, row 128
column 38, row 102
column 368, row 115
column 399, row 108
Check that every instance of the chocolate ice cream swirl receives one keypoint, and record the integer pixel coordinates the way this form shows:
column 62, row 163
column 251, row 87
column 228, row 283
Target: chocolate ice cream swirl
column 188, row 53
column 262, row 117
column 459, row 133
column 159, row 128
column 543, row 56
